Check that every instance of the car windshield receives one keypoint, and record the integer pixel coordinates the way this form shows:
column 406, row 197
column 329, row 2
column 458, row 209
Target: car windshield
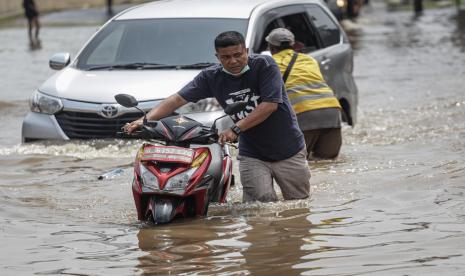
column 156, row 43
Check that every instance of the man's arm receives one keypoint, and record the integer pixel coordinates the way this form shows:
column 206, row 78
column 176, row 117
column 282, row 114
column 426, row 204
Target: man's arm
column 258, row 115
column 165, row 108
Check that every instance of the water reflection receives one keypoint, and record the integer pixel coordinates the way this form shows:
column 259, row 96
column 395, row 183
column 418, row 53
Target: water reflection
column 277, row 243
column 267, row 244
column 189, row 246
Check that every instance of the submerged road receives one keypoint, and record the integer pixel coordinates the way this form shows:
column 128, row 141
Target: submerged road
column 392, row 204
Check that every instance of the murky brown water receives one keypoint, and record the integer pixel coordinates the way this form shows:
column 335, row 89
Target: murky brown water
column 392, row 204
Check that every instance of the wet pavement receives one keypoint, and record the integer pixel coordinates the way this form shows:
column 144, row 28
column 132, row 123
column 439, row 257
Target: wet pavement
column 391, row 204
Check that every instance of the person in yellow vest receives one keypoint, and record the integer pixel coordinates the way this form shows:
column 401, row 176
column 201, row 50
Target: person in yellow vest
column 318, row 110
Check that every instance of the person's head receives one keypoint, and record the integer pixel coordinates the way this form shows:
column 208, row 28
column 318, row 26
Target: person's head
column 231, row 51
column 280, row 39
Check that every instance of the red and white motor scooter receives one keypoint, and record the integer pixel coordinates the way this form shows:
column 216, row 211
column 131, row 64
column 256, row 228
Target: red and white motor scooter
column 181, row 176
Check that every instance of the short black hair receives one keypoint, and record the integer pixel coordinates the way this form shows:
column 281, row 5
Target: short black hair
column 229, row 38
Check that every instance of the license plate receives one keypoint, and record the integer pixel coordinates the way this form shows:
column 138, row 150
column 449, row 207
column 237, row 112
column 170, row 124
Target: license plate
column 169, row 154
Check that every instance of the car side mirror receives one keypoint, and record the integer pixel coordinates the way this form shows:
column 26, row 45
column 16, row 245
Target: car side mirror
column 59, row 61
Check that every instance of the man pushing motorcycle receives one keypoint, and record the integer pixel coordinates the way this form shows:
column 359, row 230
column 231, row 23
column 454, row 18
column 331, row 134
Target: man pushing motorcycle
column 271, row 145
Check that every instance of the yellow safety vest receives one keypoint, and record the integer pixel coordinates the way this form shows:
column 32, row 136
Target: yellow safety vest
column 306, row 88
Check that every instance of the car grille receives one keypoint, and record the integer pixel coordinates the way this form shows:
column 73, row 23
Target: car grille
column 81, row 125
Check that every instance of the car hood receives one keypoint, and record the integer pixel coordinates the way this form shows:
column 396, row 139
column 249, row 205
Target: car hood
column 102, row 86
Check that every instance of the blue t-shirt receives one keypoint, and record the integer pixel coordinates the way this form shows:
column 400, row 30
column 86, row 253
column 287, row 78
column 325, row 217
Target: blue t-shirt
column 278, row 137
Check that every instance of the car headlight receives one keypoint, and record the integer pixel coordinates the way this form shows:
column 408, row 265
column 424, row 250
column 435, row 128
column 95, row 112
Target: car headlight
column 148, row 179
column 42, row 103
column 178, row 183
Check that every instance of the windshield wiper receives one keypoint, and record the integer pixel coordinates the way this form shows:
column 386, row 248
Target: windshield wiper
column 148, row 65
column 134, row 65
column 196, row 65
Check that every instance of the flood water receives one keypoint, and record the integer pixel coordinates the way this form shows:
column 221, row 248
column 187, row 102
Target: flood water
column 392, row 204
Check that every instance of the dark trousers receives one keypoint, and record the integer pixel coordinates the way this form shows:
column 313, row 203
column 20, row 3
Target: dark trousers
column 323, row 143
column 110, row 7
column 418, row 6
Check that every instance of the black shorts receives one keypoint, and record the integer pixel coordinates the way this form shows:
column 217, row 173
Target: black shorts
column 31, row 13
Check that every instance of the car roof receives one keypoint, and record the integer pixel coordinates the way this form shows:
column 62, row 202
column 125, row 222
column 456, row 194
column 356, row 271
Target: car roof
column 202, row 8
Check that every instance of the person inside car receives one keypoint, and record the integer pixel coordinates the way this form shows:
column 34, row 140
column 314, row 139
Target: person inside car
column 271, row 145
column 318, row 110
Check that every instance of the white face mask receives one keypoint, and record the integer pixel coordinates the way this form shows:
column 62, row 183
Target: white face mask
column 245, row 69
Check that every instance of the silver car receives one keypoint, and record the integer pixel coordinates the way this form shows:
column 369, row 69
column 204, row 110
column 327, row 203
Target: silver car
column 151, row 51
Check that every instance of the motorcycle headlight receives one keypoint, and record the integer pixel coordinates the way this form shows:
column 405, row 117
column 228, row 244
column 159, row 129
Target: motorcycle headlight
column 178, row 183
column 148, row 179
column 42, row 103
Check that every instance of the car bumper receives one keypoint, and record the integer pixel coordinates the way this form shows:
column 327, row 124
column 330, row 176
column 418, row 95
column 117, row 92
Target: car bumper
column 38, row 126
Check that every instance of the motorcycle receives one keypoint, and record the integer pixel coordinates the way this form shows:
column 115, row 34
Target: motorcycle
column 181, row 168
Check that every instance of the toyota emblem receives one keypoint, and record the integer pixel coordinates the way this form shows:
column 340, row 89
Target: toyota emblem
column 109, row 111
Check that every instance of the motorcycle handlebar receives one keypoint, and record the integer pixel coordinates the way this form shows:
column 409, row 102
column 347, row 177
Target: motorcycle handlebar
column 148, row 131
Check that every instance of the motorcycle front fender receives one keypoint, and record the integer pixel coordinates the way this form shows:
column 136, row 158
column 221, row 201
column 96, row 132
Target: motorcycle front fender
column 161, row 210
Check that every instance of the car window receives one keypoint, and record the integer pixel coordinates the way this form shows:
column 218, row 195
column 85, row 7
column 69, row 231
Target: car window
column 298, row 23
column 305, row 41
column 263, row 44
column 180, row 41
column 327, row 29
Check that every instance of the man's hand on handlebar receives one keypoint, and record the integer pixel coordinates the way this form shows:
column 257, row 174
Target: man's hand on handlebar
column 132, row 126
column 227, row 136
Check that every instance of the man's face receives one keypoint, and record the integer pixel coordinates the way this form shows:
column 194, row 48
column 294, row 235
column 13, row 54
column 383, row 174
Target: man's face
column 233, row 58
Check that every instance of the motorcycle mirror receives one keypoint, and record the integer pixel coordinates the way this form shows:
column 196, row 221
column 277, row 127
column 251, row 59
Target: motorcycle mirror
column 235, row 107
column 126, row 100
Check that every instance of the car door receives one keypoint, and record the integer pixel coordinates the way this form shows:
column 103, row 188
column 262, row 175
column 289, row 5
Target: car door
column 336, row 60
column 335, row 54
